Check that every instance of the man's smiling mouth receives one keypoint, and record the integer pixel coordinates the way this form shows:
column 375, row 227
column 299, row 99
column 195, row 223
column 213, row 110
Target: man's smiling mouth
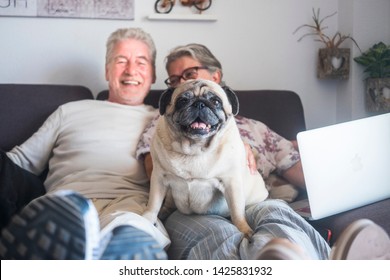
column 132, row 82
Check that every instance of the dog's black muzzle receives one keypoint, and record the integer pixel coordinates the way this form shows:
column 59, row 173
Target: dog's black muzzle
column 198, row 118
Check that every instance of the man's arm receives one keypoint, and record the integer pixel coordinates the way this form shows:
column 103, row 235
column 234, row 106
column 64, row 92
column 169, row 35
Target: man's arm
column 33, row 155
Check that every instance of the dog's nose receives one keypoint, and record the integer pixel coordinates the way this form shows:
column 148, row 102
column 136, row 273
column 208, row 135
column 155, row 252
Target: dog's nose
column 198, row 104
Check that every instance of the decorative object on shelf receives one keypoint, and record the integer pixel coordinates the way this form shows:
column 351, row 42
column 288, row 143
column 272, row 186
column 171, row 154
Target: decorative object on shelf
column 166, row 6
column 376, row 61
column 333, row 61
column 183, row 17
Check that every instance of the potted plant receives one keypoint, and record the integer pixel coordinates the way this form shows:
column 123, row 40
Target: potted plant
column 333, row 61
column 376, row 61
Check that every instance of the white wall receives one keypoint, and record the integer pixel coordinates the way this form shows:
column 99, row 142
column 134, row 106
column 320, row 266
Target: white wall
column 252, row 38
column 368, row 22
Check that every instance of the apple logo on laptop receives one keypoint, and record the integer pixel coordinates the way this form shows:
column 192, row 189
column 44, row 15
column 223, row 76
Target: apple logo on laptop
column 356, row 163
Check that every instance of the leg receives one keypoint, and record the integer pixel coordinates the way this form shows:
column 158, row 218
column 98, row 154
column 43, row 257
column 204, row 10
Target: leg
column 125, row 233
column 275, row 219
column 213, row 237
column 130, row 243
column 57, row 226
column 17, row 188
column 202, row 237
column 362, row 240
column 65, row 225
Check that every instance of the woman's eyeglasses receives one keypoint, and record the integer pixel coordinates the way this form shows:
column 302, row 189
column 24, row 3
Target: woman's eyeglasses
column 187, row 74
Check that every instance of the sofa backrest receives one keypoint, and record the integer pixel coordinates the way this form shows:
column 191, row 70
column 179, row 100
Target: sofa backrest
column 24, row 108
column 281, row 110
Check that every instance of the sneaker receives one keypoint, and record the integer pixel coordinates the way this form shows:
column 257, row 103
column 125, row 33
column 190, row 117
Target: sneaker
column 362, row 240
column 58, row 226
column 281, row 249
column 129, row 243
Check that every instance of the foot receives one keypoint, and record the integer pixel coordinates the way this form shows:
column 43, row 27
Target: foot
column 57, row 226
column 362, row 240
column 282, row 249
column 129, row 243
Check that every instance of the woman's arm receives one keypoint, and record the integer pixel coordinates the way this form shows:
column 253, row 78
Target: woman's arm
column 294, row 175
column 148, row 165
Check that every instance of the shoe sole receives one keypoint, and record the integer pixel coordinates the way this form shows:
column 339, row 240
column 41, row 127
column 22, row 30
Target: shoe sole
column 49, row 228
column 129, row 243
column 373, row 243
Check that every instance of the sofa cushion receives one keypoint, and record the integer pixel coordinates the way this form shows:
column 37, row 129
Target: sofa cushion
column 24, row 108
column 377, row 212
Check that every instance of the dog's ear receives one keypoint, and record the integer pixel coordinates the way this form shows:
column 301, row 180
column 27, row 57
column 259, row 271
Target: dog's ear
column 165, row 99
column 233, row 99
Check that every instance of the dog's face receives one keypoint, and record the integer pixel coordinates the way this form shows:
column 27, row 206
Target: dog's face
column 198, row 108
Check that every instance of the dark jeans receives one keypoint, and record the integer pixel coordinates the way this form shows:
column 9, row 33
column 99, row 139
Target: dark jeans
column 17, row 188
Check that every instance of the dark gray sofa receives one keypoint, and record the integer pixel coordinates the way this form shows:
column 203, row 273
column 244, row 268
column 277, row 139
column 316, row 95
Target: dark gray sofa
column 23, row 108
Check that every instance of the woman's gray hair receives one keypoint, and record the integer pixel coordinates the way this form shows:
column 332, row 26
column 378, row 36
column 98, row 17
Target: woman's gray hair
column 130, row 33
column 198, row 52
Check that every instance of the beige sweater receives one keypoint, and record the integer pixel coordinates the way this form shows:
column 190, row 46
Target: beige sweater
column 90, row 148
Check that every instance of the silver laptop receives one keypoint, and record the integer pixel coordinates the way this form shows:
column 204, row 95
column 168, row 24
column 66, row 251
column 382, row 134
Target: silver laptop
column 346, row 166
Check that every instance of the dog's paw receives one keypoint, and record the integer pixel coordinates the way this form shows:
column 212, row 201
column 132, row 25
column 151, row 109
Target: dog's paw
column 248, row 235
column 247, row 231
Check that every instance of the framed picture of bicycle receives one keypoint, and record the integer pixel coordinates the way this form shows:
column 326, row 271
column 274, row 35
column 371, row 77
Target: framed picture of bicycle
column 94, row 9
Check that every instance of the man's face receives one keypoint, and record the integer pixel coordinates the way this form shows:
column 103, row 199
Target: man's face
column 129, row 72
column 178, row 66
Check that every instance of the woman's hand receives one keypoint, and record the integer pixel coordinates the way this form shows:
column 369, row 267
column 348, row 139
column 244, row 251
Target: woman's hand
column 148, row 165
column 250, row 157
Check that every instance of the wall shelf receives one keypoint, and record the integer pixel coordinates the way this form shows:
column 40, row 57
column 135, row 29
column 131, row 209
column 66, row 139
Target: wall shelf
column 188, row 17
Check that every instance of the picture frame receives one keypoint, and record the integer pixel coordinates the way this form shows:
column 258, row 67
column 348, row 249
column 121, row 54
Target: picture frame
column 92, row 9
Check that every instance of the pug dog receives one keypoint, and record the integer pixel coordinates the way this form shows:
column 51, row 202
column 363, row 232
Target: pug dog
column 198, row 155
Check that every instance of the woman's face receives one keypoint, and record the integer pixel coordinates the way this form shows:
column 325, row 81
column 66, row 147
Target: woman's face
column 181, row 65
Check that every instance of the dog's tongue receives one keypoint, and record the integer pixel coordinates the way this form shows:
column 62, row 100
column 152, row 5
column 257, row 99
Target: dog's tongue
column 198, row 125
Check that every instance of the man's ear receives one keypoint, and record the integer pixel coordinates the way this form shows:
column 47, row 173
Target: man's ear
column 106, row 72
column 165, row 99
column 154, row 77
column 233, row 99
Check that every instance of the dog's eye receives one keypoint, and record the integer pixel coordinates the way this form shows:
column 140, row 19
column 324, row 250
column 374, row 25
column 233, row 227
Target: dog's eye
column 216, row 102
column 181, row 102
